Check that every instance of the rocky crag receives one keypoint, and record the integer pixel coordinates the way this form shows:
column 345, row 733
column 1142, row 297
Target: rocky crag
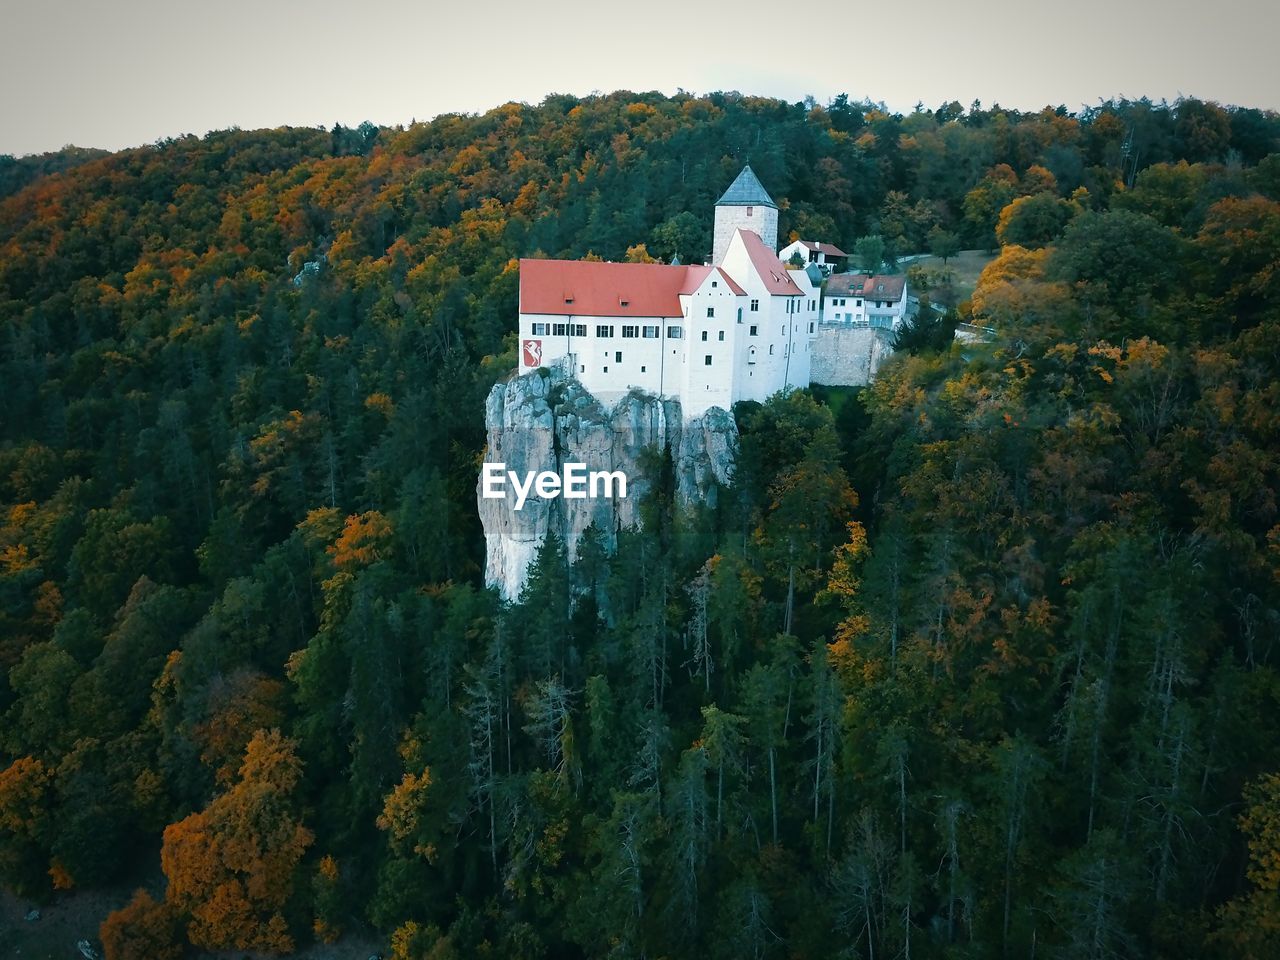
column 545, row 419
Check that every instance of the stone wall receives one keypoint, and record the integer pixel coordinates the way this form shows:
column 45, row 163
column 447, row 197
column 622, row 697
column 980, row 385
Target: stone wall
column 849, row 356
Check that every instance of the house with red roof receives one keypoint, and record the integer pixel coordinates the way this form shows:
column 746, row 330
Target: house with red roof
column 827, row 256
column 739, row 328
column 860, row 300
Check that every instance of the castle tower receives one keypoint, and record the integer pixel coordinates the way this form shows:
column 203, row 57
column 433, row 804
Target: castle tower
column 746, row 205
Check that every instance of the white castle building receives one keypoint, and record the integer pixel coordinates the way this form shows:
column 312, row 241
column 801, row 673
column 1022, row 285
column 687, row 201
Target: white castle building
column 740, row 328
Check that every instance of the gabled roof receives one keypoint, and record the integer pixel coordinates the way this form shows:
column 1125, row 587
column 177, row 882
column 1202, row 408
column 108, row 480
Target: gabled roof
column 697, row 275
column 830, row 249
column 879, row 287
column 593, row 288
column 746, row 191
column 777, row 280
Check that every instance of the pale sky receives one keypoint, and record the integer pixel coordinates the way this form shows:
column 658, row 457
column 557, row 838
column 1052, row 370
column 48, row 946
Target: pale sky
column 117, row 73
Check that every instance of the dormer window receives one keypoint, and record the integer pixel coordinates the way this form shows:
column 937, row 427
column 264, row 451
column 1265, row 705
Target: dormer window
column 624, row 303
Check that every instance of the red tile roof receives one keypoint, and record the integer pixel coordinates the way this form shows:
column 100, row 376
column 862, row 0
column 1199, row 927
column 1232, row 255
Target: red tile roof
column 593, row 288
column 879, row 287
column 776, row 278
column 698, row 274
column 830, row 249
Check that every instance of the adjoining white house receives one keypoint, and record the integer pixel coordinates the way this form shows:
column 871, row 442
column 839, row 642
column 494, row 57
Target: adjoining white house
column 741, row 328
column 855, row 299
column 827, row 256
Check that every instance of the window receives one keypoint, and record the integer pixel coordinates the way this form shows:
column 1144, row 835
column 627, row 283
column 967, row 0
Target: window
column 706, row 361
column 624, row 303
column 579, row 329
column 617, row 356
column 720, row 337
column 630, row 332
column 771, row 349
column 739, row 314
column 704, row 336
column 715, row 283
column 711, row 311
column 751, row 355
column 560, row 329
column 650, row 333
column 541, row 329
column 858, row 304
column 642, row 368
column 606, row 369
column 755, row 305
column 749, row 209
column 604, row 330
column 753, row 330
column 675, row 333
column 811, row 326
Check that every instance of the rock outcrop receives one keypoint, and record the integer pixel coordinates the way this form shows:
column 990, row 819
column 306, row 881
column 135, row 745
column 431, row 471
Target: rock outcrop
column 546, row 419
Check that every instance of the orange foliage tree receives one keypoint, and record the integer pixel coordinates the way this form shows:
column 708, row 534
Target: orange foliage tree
column 231, row 866
column 142, row 930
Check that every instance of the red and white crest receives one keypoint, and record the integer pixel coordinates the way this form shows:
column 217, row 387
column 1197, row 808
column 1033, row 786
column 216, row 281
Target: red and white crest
column 533, row 353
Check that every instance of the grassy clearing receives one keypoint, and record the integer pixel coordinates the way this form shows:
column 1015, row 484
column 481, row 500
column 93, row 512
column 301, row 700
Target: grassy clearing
column 964, row 269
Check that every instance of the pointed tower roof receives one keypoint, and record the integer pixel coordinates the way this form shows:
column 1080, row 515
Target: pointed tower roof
column 746, row 191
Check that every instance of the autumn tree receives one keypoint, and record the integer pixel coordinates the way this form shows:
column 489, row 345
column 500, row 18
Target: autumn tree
column 231, row 867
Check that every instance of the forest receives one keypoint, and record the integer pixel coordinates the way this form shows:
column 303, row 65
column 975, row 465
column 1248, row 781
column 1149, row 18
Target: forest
column 977, row 662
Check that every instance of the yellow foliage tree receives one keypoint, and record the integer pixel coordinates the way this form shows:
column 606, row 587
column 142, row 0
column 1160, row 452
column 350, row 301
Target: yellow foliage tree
column 1251, row 922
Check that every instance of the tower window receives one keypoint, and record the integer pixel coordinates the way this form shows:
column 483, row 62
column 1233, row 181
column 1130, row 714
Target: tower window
column 706, row 362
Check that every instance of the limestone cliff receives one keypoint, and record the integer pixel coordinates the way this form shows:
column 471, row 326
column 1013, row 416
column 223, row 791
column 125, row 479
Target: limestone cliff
column 545, row 419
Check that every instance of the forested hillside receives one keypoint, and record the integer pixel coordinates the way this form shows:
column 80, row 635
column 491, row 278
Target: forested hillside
column 979, row 663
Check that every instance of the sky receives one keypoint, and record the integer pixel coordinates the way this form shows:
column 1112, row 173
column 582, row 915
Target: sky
column 119, row 73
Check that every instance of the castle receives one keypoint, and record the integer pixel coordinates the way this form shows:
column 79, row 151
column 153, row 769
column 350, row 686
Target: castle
column 740, row 328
